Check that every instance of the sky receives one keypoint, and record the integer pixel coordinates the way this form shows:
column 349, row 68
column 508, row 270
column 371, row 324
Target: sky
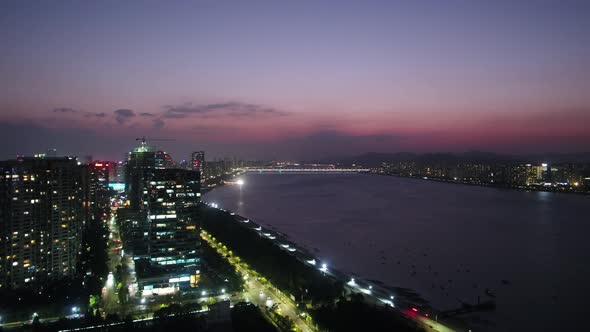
column 294, row 79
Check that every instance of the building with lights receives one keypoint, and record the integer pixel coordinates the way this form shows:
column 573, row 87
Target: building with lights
column 96, row 189
column 41, row 220
column 118, row 176
column 198, row 162
column 163, row 160
column 173, row 253
column 140, row 166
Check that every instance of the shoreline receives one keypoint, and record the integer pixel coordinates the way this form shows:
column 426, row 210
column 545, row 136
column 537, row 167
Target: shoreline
column 409, row 298
column 488, row 185
column 219, row 181
column 376, row 291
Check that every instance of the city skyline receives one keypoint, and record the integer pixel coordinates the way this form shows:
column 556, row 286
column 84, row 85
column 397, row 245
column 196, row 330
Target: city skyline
column 274, row 166
column 269, row 80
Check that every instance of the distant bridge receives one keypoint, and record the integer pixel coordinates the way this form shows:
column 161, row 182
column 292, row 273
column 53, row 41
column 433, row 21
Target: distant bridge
column 304, row 170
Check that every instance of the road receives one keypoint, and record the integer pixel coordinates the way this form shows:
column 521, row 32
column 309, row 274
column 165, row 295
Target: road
column 110, row 299
column 20, row 324
column 374, row 293
column 259, row 292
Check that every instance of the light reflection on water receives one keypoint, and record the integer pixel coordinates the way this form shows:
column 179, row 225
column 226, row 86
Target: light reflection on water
column 449, row 242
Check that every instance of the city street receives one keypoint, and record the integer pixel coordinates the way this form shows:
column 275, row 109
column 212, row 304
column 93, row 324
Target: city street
column 110, row 301
column 259, row 293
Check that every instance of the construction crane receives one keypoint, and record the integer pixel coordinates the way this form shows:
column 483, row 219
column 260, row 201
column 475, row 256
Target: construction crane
column 143, row 139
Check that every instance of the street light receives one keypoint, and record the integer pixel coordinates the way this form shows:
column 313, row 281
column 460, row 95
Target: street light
column 324, row 267
column 203, row 293
column 223, row 291
column 143, row 300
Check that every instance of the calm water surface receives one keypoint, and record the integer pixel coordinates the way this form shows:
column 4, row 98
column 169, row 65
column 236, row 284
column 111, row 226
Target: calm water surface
column 448, row 242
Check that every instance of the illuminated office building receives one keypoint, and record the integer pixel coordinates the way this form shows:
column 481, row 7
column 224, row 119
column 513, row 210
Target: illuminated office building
column 140, row 166
column 163, row 160
column 173, row 261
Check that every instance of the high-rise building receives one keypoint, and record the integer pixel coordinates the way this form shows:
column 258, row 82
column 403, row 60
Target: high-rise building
column 219, row 167
column 173, row 260
column 163, row 160
column 41, row 220
column 102, row 169
column 140, row 166
column 119, row 173
column 198, row 162
column 96, row 190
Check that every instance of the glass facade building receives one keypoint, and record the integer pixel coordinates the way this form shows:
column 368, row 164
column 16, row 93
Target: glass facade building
column 172, row 197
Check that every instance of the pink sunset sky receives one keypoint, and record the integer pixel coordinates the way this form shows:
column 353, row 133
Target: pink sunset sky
column 296, row 80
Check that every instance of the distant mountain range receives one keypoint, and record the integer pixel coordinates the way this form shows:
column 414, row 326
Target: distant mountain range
column 374, row 159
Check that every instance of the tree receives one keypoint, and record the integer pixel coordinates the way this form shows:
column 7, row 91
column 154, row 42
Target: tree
column 36, row 324
column 123, row 293
column 93, row 302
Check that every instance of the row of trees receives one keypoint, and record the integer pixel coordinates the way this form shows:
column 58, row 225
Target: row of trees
column 217, row 272
column 175, row 317
column 247, row 317
column 93, row 264
column 355, row 314
column 282, row 269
